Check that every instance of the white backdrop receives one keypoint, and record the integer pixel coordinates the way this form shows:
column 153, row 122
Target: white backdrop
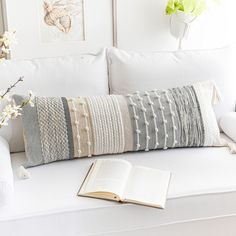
column 23, row 15
column 141, row 26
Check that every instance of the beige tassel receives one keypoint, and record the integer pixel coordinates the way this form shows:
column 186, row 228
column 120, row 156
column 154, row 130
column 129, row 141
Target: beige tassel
column 216, row 96
column 23, row 173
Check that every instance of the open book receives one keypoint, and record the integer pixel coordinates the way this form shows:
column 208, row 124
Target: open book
column 118, row 180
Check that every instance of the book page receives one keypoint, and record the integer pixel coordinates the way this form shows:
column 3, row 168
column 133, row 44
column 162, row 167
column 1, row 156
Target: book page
column 107, row 176
column 147, row 186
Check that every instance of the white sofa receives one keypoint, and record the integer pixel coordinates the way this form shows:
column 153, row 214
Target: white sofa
column 201, row 199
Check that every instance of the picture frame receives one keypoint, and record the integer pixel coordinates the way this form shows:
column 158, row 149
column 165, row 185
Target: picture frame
column 98, row 30
column 61, row 20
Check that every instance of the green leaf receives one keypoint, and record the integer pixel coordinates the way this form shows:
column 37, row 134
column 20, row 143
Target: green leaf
column 172, row 6
column 188, row 6
column 193, row 7
column 200, row 7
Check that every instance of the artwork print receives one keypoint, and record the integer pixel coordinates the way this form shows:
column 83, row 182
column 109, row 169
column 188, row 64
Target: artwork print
column 62, row 20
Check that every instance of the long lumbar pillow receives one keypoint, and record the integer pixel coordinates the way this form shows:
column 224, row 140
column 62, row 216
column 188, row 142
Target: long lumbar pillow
column 67, row 128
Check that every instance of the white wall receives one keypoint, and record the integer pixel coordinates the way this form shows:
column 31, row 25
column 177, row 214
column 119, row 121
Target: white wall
column 143, row 26
column 23, row 15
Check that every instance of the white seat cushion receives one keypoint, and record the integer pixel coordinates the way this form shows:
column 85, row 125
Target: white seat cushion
column 49, row 198
column 130, row 71
column 228, row 125
column 6, row 174
column 62, row 76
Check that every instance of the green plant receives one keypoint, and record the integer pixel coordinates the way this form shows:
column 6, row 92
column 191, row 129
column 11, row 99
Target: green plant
column 192, row 7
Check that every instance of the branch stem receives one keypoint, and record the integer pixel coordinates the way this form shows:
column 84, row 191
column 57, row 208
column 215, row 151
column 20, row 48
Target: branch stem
column 12, row 86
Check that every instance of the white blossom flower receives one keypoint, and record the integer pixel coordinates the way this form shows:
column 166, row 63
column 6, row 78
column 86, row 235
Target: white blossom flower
column 2, row 60
column 11, row 111
column 7, row 111
column 9, row 38
column 5, row 50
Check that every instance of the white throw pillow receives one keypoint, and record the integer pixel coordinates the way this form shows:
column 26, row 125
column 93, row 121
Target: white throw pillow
column 143, row 71
column 6, row 174
column 63, row 76
column 228, row 125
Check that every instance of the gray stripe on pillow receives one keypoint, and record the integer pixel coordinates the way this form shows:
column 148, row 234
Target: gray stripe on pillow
column 188, row 113
column 153, row 114
column 166, row 119
column 32, row 134
column 53, row 129
column 69, row 127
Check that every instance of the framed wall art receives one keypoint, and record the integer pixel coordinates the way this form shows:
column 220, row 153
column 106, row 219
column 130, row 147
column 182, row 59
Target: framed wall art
column 61, row 20
column 49, row 28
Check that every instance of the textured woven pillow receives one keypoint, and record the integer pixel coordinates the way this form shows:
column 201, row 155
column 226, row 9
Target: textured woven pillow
column 66, row 128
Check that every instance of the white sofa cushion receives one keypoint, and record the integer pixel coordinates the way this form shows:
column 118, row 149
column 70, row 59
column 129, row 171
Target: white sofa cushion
column 228, row 125
column 48, row 201
column 63, row 76
column 6, row 174
column 144, row 71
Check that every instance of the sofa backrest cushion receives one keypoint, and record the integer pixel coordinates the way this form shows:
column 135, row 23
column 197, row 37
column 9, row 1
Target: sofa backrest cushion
column 65, row 76
column 143, row 71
